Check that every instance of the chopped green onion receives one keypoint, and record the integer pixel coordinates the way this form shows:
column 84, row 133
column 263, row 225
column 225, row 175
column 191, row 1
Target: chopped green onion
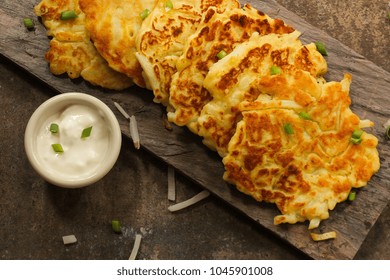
column 144, row 14
column 352, row 196
column 57, row 148
column 356, row 137
column 168, row 5
column 28, row 23
column 357, row 134
column 68, row 15
column 54, row 128
column 221, row 54
column 86, row 132
column 321, row 48
column 356, row 141
column 305, row 116
column 288, row 128
column 116, row 226
column 388, row 132
column 275, row 70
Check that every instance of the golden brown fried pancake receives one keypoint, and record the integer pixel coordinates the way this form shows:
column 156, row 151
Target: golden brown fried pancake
column 113, row 27
column 236, row 78
column 163, row 35
column 309, row 169
column 216, row 32
column 71, row 51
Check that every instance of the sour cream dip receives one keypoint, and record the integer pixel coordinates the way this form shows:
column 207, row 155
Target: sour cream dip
column 77, row 159
column 81, row 156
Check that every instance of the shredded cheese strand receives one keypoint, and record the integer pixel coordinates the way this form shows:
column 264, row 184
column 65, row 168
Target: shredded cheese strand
column 184, row 204
column 136, row 246
column 323, row 236
column 366, row 123
column 69, row 239
column 122, row 111
column 134, row 132
column 314, row 223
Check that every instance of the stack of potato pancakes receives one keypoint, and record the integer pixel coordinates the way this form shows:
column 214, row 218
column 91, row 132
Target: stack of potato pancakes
column 238, row 78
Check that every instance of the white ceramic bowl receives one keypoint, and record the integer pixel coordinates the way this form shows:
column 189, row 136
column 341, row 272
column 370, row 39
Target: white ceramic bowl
column 48, row 163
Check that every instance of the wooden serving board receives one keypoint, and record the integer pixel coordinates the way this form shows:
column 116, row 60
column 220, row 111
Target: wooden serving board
column 185, row 152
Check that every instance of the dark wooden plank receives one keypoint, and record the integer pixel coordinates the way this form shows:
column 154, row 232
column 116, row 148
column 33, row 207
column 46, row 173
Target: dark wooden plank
column 187, row 154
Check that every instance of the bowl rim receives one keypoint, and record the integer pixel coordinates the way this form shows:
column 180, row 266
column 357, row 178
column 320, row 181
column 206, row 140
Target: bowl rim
column 66, row 99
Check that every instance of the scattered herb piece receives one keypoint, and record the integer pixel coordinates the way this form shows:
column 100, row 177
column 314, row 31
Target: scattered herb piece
column 116, row 226
column 144, row 14
column 321, row 48
column 275, row 70
column 388, row 132
column 288, row 128
column 168, row 5
column 305, row 116
column 54, row 128
column 356, row 141
column 357, row 134
column 352, row 196
column 68, row 15
column 86, row 132
column 221, row 54
column 28, row 23
column 57, row 148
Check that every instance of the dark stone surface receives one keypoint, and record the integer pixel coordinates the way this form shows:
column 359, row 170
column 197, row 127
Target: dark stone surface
column 35, row 215
column 362, row 25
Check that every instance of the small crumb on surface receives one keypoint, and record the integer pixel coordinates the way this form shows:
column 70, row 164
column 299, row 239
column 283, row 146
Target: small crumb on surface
column 69, row 239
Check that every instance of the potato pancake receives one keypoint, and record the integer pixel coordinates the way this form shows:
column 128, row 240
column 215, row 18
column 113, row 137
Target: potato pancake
column 234, row 79
column 163, row 35
column 113, row 26
column 71, row 50
column 301, row 157
column 217, row 32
